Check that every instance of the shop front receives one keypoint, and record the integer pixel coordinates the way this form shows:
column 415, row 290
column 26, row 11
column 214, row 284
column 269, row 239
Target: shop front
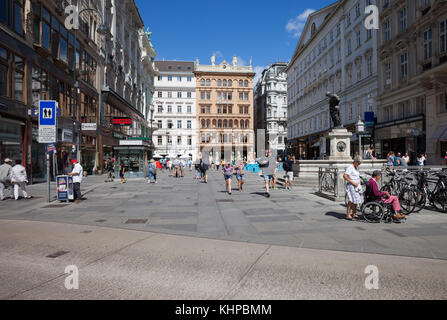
column 134, row 155
column 401, row 138
column 11, row 139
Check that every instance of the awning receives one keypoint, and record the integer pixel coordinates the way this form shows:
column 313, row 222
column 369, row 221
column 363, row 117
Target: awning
column 316, row 145
column 440, row 133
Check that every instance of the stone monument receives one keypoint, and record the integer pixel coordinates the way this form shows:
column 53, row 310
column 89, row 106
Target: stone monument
column 339, row 137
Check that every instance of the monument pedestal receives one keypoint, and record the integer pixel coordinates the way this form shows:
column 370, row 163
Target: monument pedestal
column 340, row 144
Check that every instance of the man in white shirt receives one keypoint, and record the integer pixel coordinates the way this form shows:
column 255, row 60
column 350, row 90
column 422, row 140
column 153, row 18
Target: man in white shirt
column 5, row 177
column 19, row 179
column 77, row 174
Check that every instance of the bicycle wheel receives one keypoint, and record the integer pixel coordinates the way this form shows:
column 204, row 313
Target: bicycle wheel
column 440, row 200
column 387, row 188
column 421, row 201
column 373, row 212
column 408, row 200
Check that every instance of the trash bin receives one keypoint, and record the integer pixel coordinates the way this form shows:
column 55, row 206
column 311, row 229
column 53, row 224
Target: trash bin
column 64, row 188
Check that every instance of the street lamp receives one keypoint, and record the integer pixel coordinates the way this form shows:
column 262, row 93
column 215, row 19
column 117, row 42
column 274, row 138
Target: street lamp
column 360, row 129
column 152, row 109
column 101, row 30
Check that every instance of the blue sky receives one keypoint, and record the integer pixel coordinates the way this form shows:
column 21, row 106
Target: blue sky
column 266, row 31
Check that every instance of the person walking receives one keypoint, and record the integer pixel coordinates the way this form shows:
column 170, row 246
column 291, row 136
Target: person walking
column 182, row 168
column 406, row 158
column 240, row 174
column 268, row 165
column 5, row 178
column 420, row 160
column 110, row 170
column 153, row 170
column 390, row 159
column 123, row 172
column 77, row 174
column 19, row 179
column 205, row 166
column 288, row 172
column 353, row 189
column 227, row 172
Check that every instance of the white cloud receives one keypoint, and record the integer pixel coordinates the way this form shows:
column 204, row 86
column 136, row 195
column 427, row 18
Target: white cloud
column 295, row 26
column 218, row 54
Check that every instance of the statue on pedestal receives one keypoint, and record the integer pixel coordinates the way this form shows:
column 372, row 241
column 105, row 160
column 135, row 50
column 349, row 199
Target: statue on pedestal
column 334, row 109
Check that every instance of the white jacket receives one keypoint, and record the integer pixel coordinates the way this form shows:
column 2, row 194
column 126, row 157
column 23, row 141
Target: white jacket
column 18, row 174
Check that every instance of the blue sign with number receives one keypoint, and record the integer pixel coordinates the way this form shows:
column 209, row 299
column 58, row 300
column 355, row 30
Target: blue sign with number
column 47, row 113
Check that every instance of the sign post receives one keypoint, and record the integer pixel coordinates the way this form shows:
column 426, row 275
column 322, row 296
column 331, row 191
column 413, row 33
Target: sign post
column 48, row 132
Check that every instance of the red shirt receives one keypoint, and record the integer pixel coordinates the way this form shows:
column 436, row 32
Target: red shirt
column 375, row 189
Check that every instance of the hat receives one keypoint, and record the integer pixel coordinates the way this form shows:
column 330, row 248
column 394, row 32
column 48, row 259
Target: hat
column 74, row 161
column 8, row 160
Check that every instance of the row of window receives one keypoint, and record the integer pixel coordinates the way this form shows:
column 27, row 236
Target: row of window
column 224, row 96
column 169, row 109
column 403, row 110
column 233, row 138
column 169, row 140
column 224, row 109
column 230, row 124
column 223, row 83
column 180, row 94
column 170, row 124
column 179, row 78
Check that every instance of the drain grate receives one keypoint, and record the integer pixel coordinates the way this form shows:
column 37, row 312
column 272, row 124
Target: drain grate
column 57, row 254
column 55, row 206
column 224, row 200
column 136, row 221
column 101, row 220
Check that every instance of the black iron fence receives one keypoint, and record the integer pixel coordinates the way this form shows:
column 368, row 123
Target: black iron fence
column 328, row 181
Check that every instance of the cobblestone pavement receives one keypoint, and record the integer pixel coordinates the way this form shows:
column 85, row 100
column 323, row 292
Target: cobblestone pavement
column 296, row 218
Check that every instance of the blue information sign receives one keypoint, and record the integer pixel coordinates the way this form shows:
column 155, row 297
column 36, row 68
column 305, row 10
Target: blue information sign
column 47, row 113
column 369, row 119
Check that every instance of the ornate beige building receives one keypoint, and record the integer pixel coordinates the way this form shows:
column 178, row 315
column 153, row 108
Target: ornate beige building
column 224, row 96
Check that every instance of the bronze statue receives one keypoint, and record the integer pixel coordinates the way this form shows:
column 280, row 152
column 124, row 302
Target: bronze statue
column 334, row 109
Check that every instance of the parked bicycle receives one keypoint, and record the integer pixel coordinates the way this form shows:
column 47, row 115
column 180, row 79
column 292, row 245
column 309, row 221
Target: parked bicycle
column 437, row 197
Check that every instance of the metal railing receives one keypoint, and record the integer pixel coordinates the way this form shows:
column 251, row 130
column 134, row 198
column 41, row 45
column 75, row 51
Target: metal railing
column 328, row 181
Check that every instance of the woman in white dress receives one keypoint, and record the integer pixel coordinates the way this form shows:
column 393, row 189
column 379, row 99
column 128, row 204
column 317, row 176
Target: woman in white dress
column 353, row 189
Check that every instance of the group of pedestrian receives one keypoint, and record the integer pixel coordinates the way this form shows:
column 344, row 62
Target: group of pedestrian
column 13, row 177
column 396, row 160
column 228, row 170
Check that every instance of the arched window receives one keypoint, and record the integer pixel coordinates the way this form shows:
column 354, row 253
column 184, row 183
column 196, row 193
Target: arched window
column 219, row 83
column 224, row 83
column 230, row 83
column 236, row 123
column 203, row 123
column 241, row 83
column 225, row 123
column 246, row 124
column 202, row 82
column 246, row 83
column 230, row 124
column 219, row 124
column 208, row 122
column 214, row 123
column 208, row 82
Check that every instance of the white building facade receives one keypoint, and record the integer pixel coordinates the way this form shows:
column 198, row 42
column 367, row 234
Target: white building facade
column 336, row 53
column 270, row 106
column 175, row 113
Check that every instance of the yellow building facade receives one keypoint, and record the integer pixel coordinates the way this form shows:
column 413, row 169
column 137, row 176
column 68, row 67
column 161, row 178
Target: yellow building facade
column 224, row 95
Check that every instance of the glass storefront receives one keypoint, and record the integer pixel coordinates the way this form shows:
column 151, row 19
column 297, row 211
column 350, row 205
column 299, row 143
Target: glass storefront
column 11, row 139
column 134, row 159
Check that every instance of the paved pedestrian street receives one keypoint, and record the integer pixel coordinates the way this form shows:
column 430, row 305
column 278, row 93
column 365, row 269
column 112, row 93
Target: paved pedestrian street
column 296, row 218
column 183, row 239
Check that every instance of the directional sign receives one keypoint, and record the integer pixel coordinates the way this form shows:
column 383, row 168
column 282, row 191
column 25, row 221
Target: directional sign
column 47, row 122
